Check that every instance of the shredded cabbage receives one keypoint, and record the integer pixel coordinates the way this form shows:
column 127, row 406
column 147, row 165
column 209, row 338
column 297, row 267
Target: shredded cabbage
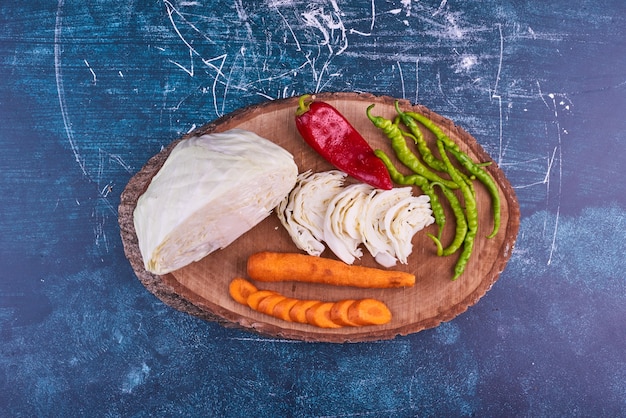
column 321, row 212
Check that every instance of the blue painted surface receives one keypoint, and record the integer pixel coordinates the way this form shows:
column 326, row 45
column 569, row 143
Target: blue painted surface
column 89, row 92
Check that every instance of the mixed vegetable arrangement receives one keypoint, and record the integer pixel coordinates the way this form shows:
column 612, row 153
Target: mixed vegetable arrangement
column 204, row 213
column 430, row 170
column 447, row 169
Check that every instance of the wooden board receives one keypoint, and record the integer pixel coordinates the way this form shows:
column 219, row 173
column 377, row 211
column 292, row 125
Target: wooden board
column 201, row 289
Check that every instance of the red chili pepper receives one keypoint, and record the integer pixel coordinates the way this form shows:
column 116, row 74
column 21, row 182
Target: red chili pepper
column 329, row 133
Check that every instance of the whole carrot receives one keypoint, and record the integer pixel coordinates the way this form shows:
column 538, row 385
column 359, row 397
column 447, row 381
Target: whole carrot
column 282, row 267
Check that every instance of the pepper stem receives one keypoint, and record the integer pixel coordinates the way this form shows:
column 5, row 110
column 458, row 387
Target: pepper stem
column 304, row 104
column 369, row 114
column 397, row 106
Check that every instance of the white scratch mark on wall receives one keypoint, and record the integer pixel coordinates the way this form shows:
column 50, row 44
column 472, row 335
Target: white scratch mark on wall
column 500, row 58
column 500, row 128
column 189, row 70
column 328, row 25
column 553, row 178
column 560, row 178
column 93, row 73
column 406, row 6
column 318, row 32
column 118, row 159
column 541, row 95
column 444, row 95
column 218, row 72
column 243, row 17
column 293, row 35
column 60, row 88
column 100, row 236
column 170, row 12
column 441, row 7
column 554, row 167
column 372, row 23
column 549, row 164
column 401, row 79
column 330, row 33
column 496, row 95
column 417, row 79
column 108, row 188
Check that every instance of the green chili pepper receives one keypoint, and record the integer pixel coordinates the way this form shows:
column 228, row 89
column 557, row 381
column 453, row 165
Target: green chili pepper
column 461, row 223
column 461, row 263
column 404, row 154
column 486, row 179
column 420, row 142
column 466, row 215
column 435, row 129
column 423, row 183
column 472, row 167
column 471, row 212
column 422, row 146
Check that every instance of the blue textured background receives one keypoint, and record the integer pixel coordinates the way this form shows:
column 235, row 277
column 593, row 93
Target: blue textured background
column 88, row 92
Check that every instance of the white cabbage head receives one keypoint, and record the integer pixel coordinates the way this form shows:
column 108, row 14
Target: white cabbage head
column 211, row 190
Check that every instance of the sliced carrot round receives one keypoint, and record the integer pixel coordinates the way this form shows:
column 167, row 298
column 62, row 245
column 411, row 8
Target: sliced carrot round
column 240, row 289
column 299, row 310
column 339, row 313
column 283, row 308
column 255, row 298
column 319, row 315
column 267, row 304
column 369, row 312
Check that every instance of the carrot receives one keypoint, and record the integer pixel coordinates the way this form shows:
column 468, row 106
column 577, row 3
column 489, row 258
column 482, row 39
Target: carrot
column 256, row 298
column 267, row 304
column 369, row 312
column 240, row 289
column 298, row 311
column 283, row 309
column 280, row 267
column 339, row 312
column 319, row 315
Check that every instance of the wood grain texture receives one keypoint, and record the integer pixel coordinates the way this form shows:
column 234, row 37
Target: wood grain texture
column 201, row 289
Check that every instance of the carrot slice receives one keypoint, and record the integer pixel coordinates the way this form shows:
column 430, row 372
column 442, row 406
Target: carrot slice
column 299, row 310
column 339, row 313
column 255, row 298
column 283, row 309
column 267, row 304
column 348, row 312
column 369, row 312
column 319, row 315
column 240, row 289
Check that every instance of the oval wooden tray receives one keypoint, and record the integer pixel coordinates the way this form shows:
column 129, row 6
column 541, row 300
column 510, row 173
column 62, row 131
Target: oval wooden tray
column 201, row 289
